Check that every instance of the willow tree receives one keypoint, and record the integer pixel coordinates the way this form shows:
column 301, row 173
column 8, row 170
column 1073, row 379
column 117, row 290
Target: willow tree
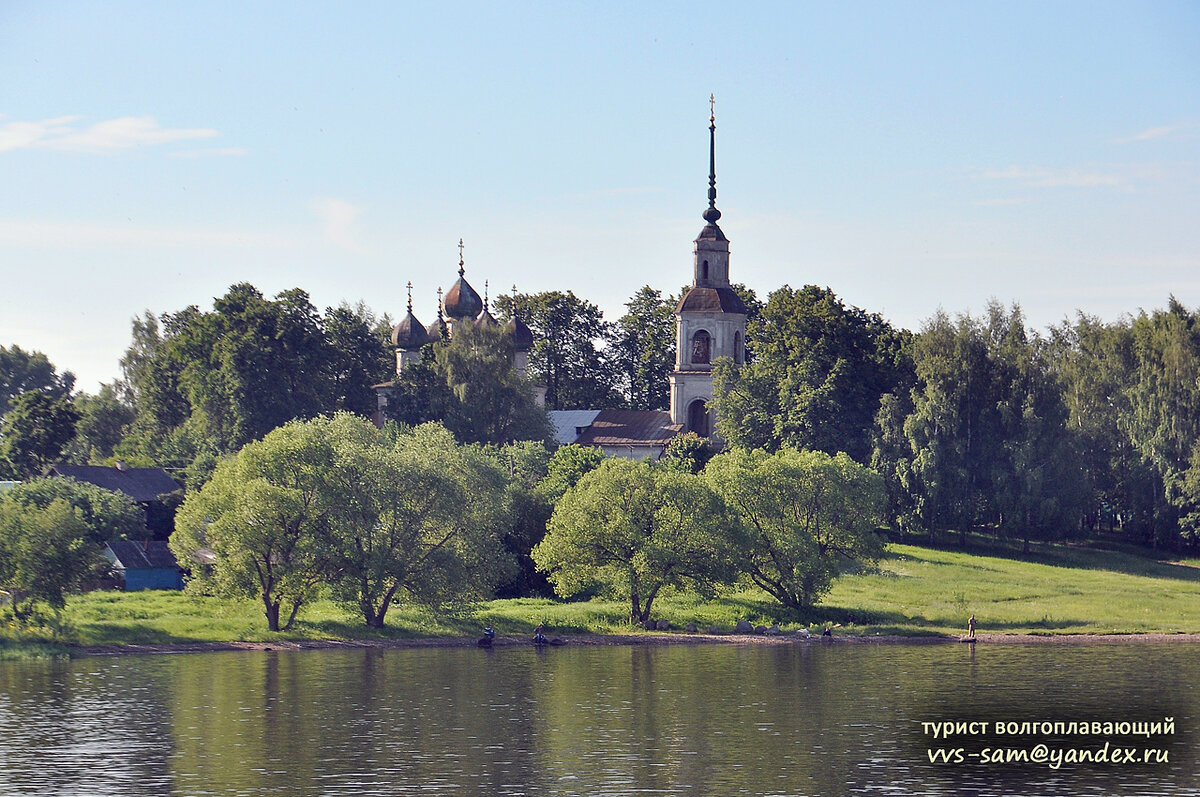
column 804, row 514
column 637, row 529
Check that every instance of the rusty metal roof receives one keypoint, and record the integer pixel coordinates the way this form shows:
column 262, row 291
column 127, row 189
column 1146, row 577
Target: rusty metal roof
column 711, row 300
column 630, row 427
column 711, row 232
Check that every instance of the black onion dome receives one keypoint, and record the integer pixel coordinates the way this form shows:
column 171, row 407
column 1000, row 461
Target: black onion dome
column 461, row 301
column 486, row 319
column 437, row 330
column 522, row 336
column 410, row 333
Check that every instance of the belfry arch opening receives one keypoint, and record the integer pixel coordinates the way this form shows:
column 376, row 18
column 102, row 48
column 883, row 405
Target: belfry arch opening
column 697, row 418
column 701, row 348
column 704, row 270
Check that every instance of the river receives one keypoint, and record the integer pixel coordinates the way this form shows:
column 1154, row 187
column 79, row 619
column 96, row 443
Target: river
column 798, row 719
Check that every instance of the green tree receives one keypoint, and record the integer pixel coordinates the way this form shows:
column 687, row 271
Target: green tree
column 494, row 404
column 804, row 513
column 567, row 354
column 818, row 372
column 44, row 553
column 106, row 514
column 689, row 451
column 566, row 467
column 265, row 515
column 642, row 349
column 1163, row 421
column 415, row 522
column 638, row 529
column 104, row 418
column 22, row 371
column 34, row 432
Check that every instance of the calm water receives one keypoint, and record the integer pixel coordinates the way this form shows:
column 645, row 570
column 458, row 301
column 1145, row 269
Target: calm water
column 803, row 719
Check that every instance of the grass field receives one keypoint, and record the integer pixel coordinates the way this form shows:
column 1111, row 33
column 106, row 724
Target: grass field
column 1058, row 589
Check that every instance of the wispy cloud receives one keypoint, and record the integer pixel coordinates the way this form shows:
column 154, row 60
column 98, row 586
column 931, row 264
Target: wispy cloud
column 1052, row 178
column 1150, row 133
column 339, row 222
column 66, row 133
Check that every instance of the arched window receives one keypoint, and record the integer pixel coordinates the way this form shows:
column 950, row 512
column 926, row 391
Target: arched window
column 701, row 347
column 738, row 353
column 704, row 270
column 697, row 418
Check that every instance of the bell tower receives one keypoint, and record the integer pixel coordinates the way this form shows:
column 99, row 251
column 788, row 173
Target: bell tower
column 710, row 319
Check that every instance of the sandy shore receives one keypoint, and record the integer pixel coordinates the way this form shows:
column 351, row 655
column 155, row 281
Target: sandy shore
column 593, row 640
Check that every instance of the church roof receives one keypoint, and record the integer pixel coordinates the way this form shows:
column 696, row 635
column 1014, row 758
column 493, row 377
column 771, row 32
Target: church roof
column 630, row 427
column 711, row 300
column 409, row 333
column 711, row 232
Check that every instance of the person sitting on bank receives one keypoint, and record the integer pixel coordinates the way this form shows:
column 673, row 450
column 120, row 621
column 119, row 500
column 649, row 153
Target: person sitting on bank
column 539, row 635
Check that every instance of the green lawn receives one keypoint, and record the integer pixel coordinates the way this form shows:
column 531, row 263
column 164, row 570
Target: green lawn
column 913, row 591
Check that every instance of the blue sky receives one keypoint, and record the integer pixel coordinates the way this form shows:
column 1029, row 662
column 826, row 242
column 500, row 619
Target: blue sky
column 910, row 156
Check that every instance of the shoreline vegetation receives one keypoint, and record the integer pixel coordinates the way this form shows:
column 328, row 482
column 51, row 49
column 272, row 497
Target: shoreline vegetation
column 1059, row 593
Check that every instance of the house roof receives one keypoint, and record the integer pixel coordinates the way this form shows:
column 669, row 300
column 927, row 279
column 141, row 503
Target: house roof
column 569, row 424
column 140, row 484
column 151, row 554
column 630, row 428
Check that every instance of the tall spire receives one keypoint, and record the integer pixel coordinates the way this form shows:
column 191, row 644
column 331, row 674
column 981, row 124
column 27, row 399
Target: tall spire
column 461, row 267
column 712, row 214
column 410, row 296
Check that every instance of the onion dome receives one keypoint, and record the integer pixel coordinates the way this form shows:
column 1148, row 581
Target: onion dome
column 522, row 336
column 410, row 333
column 486, row 319
column 437, row 330
column 461, row 301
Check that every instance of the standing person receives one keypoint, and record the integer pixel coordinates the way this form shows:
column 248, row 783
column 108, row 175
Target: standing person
column 971, row 627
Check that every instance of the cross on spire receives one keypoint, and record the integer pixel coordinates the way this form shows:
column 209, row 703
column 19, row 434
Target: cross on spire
column 712, row 214
column 410, row 296
column 460, row 257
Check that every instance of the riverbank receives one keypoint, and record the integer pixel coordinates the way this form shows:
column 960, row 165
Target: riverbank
column 916, row 593
column 607, row 640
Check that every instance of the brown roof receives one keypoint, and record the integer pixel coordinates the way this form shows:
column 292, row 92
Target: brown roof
column 630, row 427
column 711, row 232
column 140, row 484
column 711, row 300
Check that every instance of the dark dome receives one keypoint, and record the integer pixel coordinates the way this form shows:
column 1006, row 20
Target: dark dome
column 461, row 301
column 437, row 330
column 409, row 334
column 522, row 337
column 486, row 319
column 711, row 300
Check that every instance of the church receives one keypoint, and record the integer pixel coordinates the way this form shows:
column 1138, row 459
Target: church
column 710, row 322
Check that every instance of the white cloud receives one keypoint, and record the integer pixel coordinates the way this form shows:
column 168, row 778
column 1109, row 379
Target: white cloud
column 338, row 221
column 1150, row 133
column 127, row 132
column 1052, row 178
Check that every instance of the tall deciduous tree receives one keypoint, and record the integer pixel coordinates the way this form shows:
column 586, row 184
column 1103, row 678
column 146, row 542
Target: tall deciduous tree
column 567, row 354
column 265, row 515
column 22, row 371
column 804, row 512
column 104, row 419
column 416, row 521
column 818, row 371
column 106, row 514
column 642, row 349
column 638, row 529
column 34, row 432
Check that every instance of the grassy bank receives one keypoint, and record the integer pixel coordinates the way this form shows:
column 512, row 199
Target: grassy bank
column 915, row 590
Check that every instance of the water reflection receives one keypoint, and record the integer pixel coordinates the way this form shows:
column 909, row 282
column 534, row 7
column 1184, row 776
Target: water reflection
column 808, row 719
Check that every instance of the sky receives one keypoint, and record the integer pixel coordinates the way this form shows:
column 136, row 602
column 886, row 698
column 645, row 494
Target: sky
column 910, row 156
